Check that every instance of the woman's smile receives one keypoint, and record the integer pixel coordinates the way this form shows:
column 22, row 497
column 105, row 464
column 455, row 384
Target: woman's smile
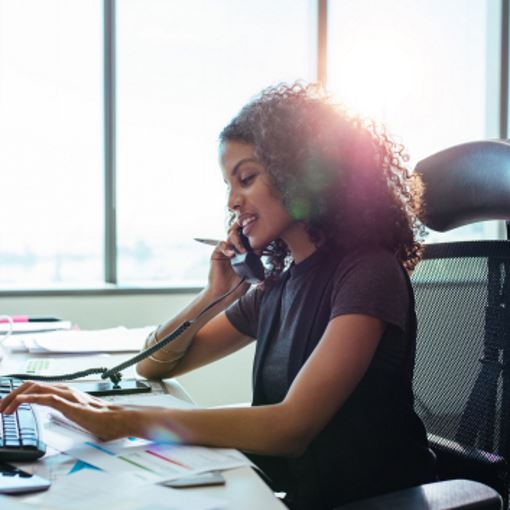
column 246, row 221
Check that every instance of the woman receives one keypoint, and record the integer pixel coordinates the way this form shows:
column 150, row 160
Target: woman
column 327, row 197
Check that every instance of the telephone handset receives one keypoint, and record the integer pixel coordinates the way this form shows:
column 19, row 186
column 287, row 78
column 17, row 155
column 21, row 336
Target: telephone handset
column 247, row 265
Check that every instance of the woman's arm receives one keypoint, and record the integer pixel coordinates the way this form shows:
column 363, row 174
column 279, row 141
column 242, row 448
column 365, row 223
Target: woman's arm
column 206, row 340
column 211, row 336
column 324, row 383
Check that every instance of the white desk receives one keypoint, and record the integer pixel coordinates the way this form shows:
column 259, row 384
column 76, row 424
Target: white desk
column 244, row 488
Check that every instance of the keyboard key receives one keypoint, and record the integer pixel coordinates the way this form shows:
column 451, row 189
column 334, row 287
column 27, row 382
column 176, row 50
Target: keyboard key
column 29, row 442
column 19, row 435
column 25, row 419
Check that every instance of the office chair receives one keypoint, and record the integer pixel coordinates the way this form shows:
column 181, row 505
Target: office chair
column 462, row 372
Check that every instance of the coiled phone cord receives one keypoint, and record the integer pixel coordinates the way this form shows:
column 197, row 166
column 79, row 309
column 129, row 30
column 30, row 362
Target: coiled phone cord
column 114, row 374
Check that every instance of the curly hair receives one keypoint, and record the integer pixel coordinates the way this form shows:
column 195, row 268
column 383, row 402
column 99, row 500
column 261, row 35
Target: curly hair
column 343, row 176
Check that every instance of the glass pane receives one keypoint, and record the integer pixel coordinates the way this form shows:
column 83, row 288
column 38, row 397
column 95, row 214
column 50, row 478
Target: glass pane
column 184, row 69
column 428, row 70
column 51, row 210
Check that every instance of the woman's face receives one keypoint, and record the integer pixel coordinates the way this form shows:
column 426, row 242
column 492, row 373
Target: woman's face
column 257, row 205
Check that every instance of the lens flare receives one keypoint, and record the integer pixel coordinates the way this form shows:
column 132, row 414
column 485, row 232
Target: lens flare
column 299, row 209
column 165, row 434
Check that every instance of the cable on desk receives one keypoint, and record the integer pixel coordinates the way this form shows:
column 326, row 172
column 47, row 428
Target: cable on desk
column 114, row 374
column 58, row 378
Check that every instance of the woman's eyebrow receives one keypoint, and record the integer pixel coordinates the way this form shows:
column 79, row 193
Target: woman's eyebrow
column 239, row 163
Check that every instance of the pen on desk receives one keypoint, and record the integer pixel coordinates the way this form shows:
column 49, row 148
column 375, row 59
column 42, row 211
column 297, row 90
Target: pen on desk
column 210, row 242
column 214, row 242
column 30, row 318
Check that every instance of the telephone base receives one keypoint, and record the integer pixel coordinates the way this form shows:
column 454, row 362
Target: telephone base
column 103, row 388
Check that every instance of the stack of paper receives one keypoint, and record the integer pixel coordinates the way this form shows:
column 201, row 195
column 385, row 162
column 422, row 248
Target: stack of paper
column 129, row 491
column 165, row 460
column 118, row 339
column 126, row 473
column 34, row 327
column 139, row 401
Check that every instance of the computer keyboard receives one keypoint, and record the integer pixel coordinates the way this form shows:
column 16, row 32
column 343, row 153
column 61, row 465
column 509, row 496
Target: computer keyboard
column 19, row 434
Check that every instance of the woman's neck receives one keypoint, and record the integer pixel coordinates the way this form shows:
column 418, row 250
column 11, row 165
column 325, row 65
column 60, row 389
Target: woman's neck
column 299, row 243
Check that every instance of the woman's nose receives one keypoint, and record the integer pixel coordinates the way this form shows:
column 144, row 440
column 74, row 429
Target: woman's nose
column 234, row 200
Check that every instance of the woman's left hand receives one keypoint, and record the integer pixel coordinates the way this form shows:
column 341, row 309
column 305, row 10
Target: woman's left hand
column 104, row 420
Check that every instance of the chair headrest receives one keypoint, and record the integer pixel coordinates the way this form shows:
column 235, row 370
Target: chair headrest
column 465, row 184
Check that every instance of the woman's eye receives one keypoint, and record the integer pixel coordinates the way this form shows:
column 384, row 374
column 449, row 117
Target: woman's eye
column 245, row 181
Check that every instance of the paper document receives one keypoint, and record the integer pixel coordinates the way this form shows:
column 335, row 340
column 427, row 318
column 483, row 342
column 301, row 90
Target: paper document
column 11, row 503
column 88, row 489
column 118, row 339
column 34, row 327
column 159, row 400
column 58, row 364
column 52, row 466
column 165, row 461
column 63, row 434
column 152, row 400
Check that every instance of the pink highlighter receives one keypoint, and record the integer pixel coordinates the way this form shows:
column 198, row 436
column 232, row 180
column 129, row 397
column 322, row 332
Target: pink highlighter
column 28, row 318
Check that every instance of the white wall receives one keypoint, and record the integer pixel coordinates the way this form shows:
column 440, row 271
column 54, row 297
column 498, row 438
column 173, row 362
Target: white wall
column 226, row 381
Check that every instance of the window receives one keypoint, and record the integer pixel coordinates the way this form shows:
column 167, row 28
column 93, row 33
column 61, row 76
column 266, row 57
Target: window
column 429, row 70
column 51, row 205
column 181, row 77
column 426, row 69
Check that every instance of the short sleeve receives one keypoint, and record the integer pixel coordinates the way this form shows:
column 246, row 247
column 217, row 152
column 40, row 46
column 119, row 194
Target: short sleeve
column 371, row 283
column 244, row 313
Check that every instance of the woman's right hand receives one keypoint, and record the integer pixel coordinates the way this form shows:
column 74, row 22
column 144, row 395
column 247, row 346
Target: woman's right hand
column 103, row 419
column 222, row 277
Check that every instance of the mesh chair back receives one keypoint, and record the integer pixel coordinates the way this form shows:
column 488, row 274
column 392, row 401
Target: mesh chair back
column 462, row 373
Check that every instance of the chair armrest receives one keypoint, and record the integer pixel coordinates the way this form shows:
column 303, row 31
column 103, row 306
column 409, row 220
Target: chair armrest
column 446, row 495
column 455, row 461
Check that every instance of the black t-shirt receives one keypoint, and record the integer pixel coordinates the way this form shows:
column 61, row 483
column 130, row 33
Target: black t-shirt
column 370, row 283
column 376, row 425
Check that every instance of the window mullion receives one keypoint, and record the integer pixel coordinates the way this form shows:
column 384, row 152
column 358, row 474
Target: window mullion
column 322, row 41
column 110, row 227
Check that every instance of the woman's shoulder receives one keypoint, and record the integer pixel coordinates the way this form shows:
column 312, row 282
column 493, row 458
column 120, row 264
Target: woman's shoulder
column 371, row 257
column 371, row 280
column 370, row 266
